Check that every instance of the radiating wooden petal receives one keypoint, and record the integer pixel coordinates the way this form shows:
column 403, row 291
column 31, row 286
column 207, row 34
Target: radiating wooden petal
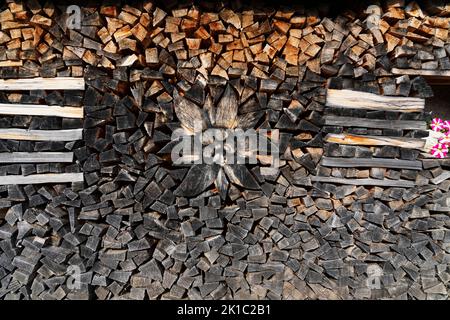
column 249, row 120
column 196, row 94
column 188, row 113
column 239, row 174
column 198, row 178
column 227, row 109
column 222, row 184
column 137, row 90
column 169, row 146
column 210, row 109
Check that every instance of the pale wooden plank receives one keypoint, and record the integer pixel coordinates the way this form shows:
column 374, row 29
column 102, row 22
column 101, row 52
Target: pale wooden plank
column 432, row 74
column 374, row 123
column 431, row 140
column 59, row 83
column 35, row 157
column 441, row 178
column 437, row 208
column 369, row 101
column 41, row 135
column 365, row 182
column 371, row 162
column 41, row 110
column 11, row 63
column 353, row 139
column 42, row 178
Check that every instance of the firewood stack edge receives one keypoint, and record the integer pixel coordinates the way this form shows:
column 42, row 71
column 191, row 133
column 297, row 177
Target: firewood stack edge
column 355, row 211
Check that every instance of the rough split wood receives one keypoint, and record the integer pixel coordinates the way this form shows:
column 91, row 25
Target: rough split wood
column 363, row 100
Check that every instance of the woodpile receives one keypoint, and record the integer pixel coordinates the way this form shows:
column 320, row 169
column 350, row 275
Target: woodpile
column 354, row 211
column 417, row 41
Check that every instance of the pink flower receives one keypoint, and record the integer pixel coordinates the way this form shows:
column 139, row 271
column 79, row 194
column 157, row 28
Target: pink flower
column 437, row 124
column 439, row 150
column 446, row 125
column 445, row 139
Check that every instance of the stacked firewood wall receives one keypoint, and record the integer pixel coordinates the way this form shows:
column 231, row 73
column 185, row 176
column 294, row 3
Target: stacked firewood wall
column 140, row 227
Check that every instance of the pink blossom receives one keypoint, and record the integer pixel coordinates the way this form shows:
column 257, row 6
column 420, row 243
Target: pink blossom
column 437, row 124
column 446, row 125
column 439, row 150
column 445, row 139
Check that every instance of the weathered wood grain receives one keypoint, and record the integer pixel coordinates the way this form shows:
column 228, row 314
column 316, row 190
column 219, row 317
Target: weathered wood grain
column 189, row 114
column 227, row 109
column 41, row 110
column 374, row 123
column 429, row 74
column 440, row 178
column 41, row 135
column 42, row 178
column 365, row 182
column 198, row 178
column 369, row 101
column 11, row 63
column 371, row 162
column 437, row 208
column 238, row 174
column 59, row 83
column 353, row 139
column 35, row 157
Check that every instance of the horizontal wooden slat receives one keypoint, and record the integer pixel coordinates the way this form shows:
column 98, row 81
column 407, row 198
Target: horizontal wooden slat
column 59, row 83
column 374, row 123
column 440, row 178
column 371, row 162
column 353, row 139
column 35, row 157
column 41, row 110
column 437, row 208
column 365, row 182
column 432, row 74
column 369, row 101
column 41, row 135
column 11, row 63
column 42, row 178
